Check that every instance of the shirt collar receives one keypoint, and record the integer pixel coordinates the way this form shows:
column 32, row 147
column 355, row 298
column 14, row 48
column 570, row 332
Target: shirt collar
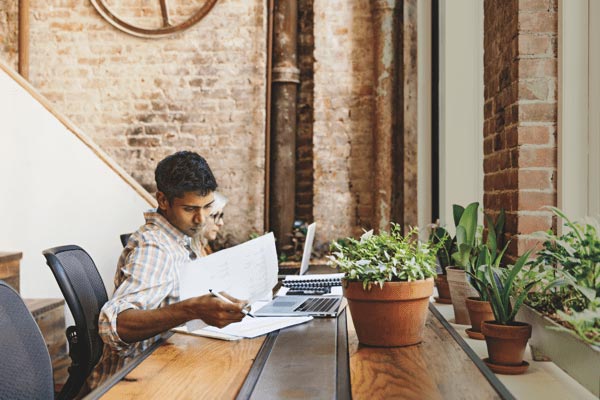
column 152, row 216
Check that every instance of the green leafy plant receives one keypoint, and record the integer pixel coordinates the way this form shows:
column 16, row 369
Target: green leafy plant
column 569, row 267
column 585, row 324
column 503, row 283
column 377, row 258
column 466, row 234
column 488, row 254
column 576, row 258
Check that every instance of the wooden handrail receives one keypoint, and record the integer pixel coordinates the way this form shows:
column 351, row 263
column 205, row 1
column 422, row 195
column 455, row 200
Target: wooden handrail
column 112, row 164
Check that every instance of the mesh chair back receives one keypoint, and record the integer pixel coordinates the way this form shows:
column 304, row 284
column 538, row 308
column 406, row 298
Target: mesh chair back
column 124, row 238
column 84, row 292
column 25, row 369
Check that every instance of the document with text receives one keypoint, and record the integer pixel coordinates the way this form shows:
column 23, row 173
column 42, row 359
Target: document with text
column 247, row 271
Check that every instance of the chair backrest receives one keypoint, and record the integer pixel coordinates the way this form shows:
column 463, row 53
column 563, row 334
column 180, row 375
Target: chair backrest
column 84, row 292
column 124, row 238
column 25, row 367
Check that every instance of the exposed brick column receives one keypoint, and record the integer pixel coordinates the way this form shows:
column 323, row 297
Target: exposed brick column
column 520, row 76
column 9, row 32
column 305, row 112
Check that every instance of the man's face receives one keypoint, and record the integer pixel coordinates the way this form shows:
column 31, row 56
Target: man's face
column 187, row 213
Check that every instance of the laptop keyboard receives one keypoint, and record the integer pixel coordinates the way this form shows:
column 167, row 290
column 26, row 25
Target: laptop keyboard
column 317, row 304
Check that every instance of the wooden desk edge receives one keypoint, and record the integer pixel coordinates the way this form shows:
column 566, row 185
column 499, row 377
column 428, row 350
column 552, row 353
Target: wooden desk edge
column 127, row 368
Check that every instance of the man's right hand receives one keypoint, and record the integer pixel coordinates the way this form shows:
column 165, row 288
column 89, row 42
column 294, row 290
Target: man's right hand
column 134, row 325
column 214, row 311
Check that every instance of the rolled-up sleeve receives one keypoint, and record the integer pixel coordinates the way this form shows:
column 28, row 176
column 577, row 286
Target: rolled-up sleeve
column 142, row 283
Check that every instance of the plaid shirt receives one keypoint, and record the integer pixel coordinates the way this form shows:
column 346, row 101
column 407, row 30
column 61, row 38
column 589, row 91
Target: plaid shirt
column 147, row 278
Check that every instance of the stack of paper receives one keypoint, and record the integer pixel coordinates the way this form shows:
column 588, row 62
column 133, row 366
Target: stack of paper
column 247, row 328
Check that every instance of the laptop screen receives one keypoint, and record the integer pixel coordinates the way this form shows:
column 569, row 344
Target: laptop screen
column 310, row 236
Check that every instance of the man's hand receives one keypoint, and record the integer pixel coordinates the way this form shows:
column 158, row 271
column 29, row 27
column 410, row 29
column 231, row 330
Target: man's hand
column 216, row 312
column 135, row 325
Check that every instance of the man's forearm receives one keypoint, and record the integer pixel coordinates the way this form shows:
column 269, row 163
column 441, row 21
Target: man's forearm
column 135, row 325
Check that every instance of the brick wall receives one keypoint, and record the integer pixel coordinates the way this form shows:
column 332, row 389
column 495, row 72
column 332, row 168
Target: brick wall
column 141, row 99
column 305, row 111
column 520, row 64
column 343, row 127
column 9, row 32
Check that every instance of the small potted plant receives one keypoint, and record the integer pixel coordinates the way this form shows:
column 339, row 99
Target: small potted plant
column 506, row 339
column 479, row 308
column 446, row 246
column 388, row 281
column 468, row 237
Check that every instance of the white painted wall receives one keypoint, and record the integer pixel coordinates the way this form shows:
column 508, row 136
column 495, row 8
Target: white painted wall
column 424, row 115
column 55, row 191
column 579, row 108
column 461, row 105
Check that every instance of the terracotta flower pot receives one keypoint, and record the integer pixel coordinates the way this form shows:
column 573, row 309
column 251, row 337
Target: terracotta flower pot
column 479, row 311
column 391, row 316
column 441, row 282
column 506, row 343
column 460, row 289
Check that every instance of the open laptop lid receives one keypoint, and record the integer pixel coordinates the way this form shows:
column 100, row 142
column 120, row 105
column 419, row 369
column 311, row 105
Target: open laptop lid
column 308, row 243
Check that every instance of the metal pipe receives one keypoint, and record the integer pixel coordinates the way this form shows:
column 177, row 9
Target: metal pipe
column 286, row 77
column 385, row 81
column 266, row 211
column 24, row 38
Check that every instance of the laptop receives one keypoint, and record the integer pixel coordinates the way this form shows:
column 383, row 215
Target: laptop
column 303, row 305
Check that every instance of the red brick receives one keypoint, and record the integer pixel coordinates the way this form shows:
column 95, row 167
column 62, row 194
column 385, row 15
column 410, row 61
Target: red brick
column 534, row 45
column 538, row 22
column 533, row 223
column 537, row 112
column 537, row 157
column 536, row 135
column 535, row 201
column 535, row 5
column 537, row 67
column 537, row 89
column 537, row 179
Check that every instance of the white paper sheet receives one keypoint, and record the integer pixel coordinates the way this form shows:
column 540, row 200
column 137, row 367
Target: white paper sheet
column 247, row 328
column 247, row 271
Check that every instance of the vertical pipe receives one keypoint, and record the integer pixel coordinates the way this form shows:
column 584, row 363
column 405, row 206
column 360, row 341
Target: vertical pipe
column 435, row 111
column 383, row 17
column 24, row 38
column 268, row 115
column 283, row 132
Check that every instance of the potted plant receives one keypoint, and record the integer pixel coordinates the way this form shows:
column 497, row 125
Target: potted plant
column 388, row 279
column 479, row 308
column 446, row 246
column 565, row 310
column 506, row 339
column 467, row 243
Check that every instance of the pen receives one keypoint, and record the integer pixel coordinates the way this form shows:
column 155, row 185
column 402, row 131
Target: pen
column 226, row 300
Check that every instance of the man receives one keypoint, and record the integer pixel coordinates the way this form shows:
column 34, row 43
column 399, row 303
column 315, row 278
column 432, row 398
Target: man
column 146, row 303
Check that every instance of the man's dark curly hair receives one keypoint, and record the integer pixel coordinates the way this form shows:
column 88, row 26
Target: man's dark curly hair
column 182, row 172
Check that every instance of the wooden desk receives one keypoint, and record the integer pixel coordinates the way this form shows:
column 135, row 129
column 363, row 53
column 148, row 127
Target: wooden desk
column 188, row 367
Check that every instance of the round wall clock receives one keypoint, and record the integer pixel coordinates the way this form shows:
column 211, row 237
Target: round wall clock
column 152, row 19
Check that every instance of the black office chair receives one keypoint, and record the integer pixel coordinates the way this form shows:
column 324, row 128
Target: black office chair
column 84, row 292
column 124, row 238
column 25, row 369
